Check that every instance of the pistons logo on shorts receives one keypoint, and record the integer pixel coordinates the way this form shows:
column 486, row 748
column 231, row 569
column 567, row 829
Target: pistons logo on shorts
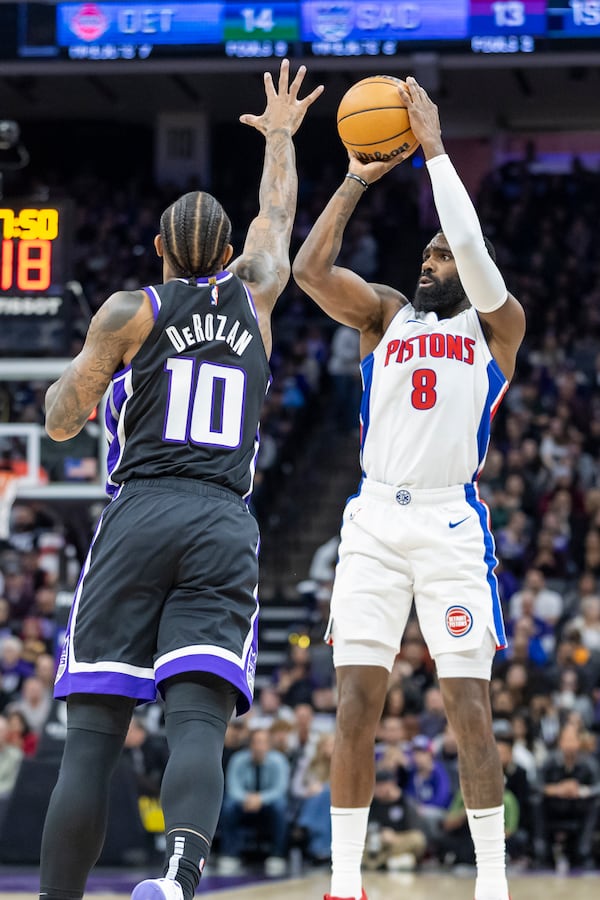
column 459, row 621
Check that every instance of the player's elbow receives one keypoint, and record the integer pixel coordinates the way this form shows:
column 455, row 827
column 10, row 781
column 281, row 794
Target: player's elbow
column 56, row 427
column 298, row 271
column 56, row 434
column 52, row 424
column 277, row 275
column 302, row 270
column 56, row 431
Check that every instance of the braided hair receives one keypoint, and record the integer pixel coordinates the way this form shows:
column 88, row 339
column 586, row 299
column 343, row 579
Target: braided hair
column 195, row 231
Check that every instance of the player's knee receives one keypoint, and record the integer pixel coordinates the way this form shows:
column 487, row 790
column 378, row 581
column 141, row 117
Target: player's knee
column 475, row 732
column 100, row 713
column 199, row 696
column 468, row 709
column 353, row 726
column 359, row 708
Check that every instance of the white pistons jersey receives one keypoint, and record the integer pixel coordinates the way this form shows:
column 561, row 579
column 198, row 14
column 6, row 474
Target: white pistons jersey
column 430, row 391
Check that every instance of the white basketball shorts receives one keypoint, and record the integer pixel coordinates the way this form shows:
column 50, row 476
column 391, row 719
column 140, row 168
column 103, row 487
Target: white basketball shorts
column 433, row 545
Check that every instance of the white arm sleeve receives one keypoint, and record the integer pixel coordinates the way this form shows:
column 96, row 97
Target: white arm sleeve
column 479, row 275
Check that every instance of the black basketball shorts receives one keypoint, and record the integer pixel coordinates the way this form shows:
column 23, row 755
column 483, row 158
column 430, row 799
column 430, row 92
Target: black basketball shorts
column 169, row 586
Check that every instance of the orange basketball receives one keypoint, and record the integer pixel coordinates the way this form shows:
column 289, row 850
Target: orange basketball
column 373, row 122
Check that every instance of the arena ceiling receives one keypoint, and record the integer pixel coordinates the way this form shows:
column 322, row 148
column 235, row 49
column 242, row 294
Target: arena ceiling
column 477, row 95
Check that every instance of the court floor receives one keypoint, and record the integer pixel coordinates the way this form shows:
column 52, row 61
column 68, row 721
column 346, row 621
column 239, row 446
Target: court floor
column 421, row 887
column 396, row 886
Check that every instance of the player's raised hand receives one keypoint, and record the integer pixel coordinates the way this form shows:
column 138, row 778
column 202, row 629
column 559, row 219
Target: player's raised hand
column 424, row 117
column 373, row 171
column 284, row 110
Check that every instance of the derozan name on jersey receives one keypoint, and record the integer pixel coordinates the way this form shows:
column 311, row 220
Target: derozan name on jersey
column 209, row 327
column 436, row 345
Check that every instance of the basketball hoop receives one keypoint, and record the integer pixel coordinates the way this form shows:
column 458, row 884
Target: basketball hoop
column 9, row 483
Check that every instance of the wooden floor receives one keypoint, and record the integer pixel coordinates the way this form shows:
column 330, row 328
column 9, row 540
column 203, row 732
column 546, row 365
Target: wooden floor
column 399, row 886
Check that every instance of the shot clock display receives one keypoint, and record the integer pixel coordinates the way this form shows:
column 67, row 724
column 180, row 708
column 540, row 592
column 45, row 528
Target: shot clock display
column 35, row 303
column 28, row 248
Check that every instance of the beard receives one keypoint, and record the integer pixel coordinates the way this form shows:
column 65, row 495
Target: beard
column 443, row 298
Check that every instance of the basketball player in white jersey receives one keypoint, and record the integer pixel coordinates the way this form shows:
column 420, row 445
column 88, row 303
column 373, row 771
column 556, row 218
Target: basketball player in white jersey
column 434, row 371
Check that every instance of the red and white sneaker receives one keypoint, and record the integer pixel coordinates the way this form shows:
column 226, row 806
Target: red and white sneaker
column 363, row 896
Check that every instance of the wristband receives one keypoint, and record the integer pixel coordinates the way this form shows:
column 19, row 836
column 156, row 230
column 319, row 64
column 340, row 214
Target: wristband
column 360, row 180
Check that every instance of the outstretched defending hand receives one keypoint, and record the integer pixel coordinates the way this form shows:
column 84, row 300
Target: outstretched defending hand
column 424, row 118
column 284, row 110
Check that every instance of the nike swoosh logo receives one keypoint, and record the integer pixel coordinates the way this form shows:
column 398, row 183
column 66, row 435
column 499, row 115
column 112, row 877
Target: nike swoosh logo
column 487, row 815
column 460, row 521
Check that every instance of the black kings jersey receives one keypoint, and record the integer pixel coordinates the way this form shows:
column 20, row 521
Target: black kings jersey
column 189, row 404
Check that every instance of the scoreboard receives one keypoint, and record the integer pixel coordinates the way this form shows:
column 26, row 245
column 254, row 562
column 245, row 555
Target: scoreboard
column 35, row 301
column 29, row 248
column 142, row 30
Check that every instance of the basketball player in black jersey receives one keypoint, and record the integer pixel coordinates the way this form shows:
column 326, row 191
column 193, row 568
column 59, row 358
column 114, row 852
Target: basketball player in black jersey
column 167, row 598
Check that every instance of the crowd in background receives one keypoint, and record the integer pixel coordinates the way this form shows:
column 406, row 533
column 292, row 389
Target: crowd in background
column 541, row 482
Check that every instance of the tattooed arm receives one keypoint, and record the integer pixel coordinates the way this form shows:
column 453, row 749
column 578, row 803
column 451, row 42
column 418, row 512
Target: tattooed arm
column 341, row 293
column 114, row 336
column 264, row 264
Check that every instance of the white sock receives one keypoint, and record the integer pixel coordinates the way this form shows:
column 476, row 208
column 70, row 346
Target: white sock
column 348, row 835
column 487, row 831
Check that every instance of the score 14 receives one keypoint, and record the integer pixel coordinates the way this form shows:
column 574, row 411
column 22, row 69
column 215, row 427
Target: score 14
column 257, row 19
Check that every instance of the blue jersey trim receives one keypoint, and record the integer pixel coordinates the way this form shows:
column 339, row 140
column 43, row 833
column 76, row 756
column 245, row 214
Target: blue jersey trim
column 490, row 560
column 497, row 385
column 366, row 370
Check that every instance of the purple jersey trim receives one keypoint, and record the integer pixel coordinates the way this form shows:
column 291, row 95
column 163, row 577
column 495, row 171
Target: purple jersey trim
column 116, row 402
column 140, row 689
column 119, row 395
column 154, row 299
column 120, row 372
column 204, row 662
column 219, row 278
column 250, row 301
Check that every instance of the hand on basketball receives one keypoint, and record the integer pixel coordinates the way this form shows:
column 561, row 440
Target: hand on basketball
column 424, row 118
column 284, row 110
column 373, row 171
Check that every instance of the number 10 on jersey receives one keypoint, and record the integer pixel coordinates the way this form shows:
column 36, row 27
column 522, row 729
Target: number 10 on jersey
column 205, row 404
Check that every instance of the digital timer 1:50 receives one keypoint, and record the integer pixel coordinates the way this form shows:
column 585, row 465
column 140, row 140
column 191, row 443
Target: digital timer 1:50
column 26, row 248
